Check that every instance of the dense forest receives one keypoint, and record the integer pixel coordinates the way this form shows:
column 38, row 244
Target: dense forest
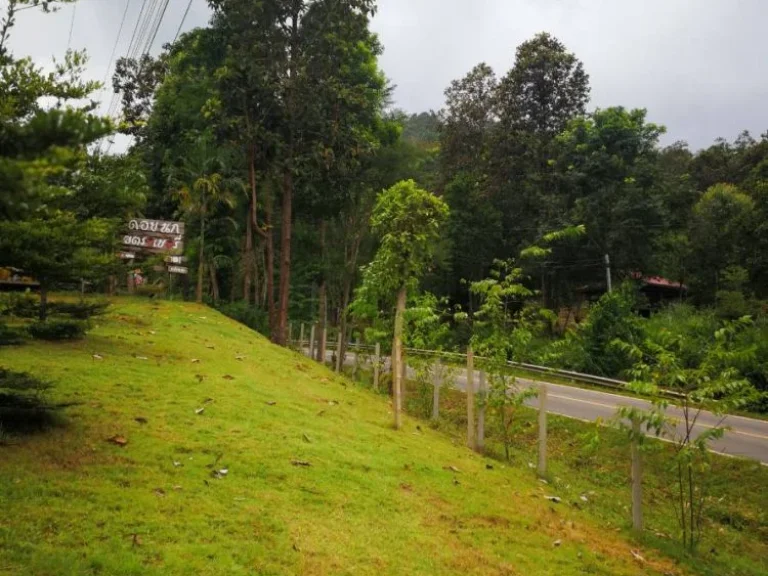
column 271, row 134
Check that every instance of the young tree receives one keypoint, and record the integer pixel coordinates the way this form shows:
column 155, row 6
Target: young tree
column 41, row 149
column 715, row 385
column 57, row 249
column 503, row 329
column 407, row 219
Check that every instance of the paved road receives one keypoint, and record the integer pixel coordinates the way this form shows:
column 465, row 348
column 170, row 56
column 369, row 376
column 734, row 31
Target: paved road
column 746, row 437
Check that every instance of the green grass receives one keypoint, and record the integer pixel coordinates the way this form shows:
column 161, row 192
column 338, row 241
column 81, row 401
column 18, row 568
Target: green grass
column 592, row 460
column 373, row 501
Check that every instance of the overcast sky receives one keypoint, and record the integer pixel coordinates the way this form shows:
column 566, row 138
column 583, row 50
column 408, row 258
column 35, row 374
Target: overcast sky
column 698, row 66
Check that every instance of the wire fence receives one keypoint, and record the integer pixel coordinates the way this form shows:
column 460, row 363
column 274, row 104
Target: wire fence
column 459, row 357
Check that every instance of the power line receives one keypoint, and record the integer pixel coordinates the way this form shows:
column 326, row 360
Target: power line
column 136, row 26
column 72, row 25
column 114, row 48
column 157, row 27
column 178, row 30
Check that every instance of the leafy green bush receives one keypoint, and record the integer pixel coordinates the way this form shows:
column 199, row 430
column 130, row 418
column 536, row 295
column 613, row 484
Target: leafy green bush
column 10, row 336
column 81, row 310
column 20, row 304
column 589, row 348
column 22, row 404
column 58, row 330
column 27, row 305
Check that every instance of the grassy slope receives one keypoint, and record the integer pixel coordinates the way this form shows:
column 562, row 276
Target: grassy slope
column 374, row 501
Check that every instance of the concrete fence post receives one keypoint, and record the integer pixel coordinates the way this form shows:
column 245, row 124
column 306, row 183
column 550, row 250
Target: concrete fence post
column 637, row 477
column 376, row 366
column 437, row 382
column 471, row 425
column 480, row 442
column 542, row 468
column 301, row 338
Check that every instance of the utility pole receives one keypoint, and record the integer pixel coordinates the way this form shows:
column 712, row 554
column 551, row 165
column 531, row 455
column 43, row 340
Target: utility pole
column 608, row 272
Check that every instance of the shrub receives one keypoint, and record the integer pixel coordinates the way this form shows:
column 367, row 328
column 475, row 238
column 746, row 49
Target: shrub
column 21, row 305
column 10, row 336
column 612, row 318
column 58, row 330
column 80, row 310
column 253, row 317
column 22, row 404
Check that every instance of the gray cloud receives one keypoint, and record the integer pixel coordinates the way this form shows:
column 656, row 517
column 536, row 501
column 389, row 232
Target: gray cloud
column 698, row 66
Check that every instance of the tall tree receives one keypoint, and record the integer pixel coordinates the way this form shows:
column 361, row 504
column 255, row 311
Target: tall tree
column 545, row 89
column 42, row 148
column 304, row 81
column 607, row 170
column 720, row 233
column 203, row 185
column 408, row 221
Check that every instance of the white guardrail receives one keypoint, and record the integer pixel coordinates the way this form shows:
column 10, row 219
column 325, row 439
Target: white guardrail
column 458, row 356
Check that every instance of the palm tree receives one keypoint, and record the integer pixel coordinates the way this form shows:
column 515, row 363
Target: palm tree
column 203, row 187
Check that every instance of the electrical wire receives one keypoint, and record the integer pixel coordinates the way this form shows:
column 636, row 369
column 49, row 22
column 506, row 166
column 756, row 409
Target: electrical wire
column 157, row 27
column 117, row 40
column 71, row 25
column 183, row 19
column 136, row 26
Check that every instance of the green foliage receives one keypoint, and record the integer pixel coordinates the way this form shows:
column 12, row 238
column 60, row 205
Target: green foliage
column 720, row 231
column 545, row 89
column 22, row 403
column 407, row 219
column 503, row 330
column 588, row 348
column 25, row 305
column 82, row 310
column 714, row 385
column 10, row 336
column 58, row 329
column 58, row 249
column 252, row 316
column 427, row 322
column 19, row 304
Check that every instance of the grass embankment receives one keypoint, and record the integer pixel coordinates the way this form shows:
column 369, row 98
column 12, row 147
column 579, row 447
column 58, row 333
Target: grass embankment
column 589, row 465
column 372, row 500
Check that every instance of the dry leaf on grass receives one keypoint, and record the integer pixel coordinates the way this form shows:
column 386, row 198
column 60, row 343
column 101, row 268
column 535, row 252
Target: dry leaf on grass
column 118, row 440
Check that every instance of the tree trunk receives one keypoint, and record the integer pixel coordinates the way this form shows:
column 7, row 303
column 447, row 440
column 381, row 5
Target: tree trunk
column 248, row 256
column 397, row 356
column 343, row 317
column 279, row 329
column 323, row 323
column 322, row 297
column 270, row 266
column 201, row 261
column 285, row 257
column 43, row 314
column 214, row 283
column 250, row 222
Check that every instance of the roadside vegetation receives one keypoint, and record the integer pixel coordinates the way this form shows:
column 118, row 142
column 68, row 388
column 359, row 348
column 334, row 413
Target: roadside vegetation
column 219, row 452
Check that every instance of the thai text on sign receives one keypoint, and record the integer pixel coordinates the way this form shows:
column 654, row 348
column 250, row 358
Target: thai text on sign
column 155, row 236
